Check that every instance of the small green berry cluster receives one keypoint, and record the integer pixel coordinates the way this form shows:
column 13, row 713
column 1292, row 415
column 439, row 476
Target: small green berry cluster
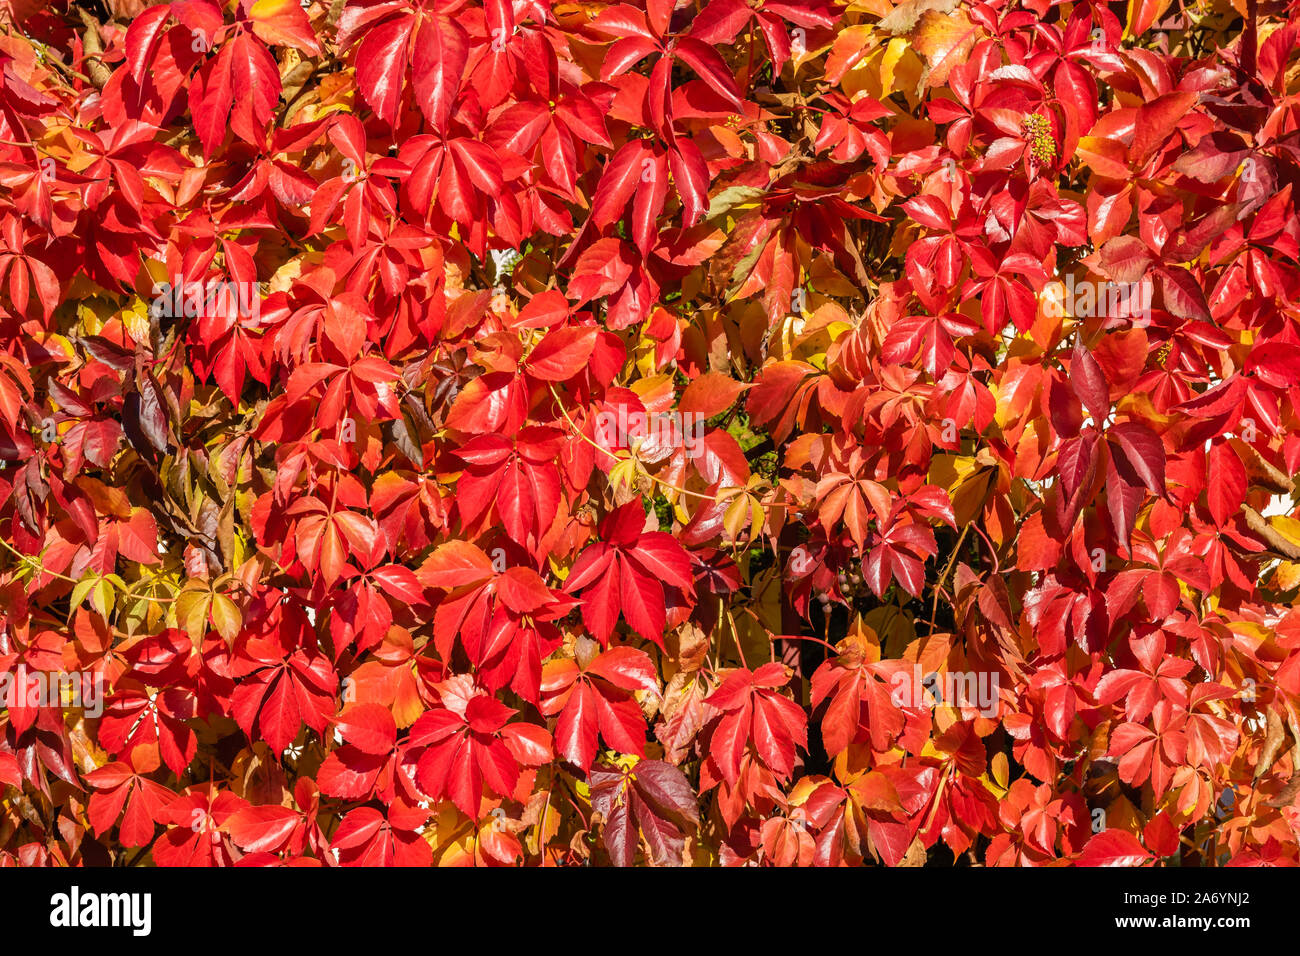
column 1038, row 130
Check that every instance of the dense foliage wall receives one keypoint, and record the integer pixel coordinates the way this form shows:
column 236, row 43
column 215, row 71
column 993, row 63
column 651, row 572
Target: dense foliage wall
column 706, row 432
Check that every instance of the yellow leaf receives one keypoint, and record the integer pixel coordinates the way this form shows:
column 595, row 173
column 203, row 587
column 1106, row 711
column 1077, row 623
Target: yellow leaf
column 741, row 515
column 967, row 482
column 877, row 8
column 192, row 607
column 889, row 62
column 82, row 588
column 945, row 40
column 1287, row 576
column 101, row 597
column 1288, row 528
column 625, row 474
column 226, row 617
column 1000, row 771
column 136, row 321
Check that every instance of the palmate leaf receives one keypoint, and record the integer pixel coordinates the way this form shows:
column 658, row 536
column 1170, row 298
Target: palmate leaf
column 596, row 698
column 653, row 801
column 627, row 573
column 755, row 713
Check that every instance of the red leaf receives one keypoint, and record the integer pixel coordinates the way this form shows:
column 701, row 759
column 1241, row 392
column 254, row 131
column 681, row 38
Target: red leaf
column 563, row 353
column 1114, row 848
column 368, row 727
column 262, row 829
column 1225, row 485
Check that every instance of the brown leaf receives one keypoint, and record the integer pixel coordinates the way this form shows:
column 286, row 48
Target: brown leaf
column 1271, row 536
column 902, row 19
column 1273, row 739
column 683, row 713
column 915, row 855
